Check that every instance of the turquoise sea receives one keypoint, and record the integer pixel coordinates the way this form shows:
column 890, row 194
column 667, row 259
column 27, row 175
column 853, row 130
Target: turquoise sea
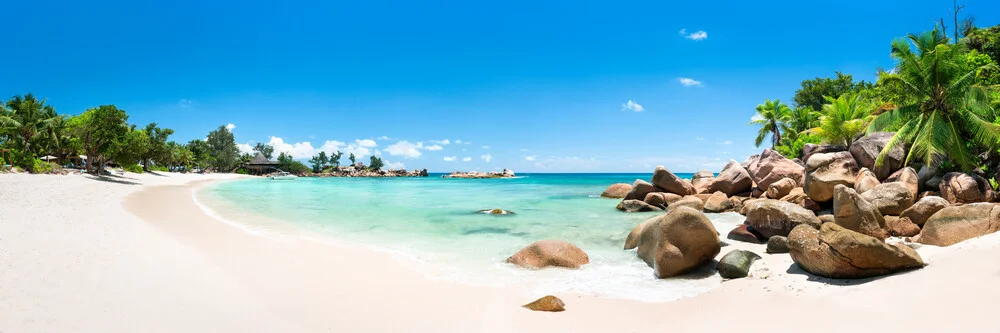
column 434, row 222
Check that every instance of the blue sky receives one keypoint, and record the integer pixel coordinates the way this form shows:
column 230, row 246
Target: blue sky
column 528, row 85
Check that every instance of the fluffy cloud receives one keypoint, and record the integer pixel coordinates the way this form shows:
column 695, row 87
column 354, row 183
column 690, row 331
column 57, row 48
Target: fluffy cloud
column 298, row 150
column 245, row 148
column 632, row 105
column 230, row 126
column 466, row 159
column 486, row 157
column 449, row 158
column 434, row 147
column 687, row 82
column 530, row 158
column 395, row 165
column 697, row 35
column 441, row 142
column 383, row 138
column 459, row 142
column 699, row 138
column 756, row 117
column 331, row 146
column 406, row 149
column 366, row 143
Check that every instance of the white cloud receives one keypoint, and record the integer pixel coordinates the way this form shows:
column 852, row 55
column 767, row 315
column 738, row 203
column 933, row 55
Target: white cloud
column 405, row 148
column 486, row 157
column 466, row 159
column 687, row 82
column 383, row 138
column 359, row 152
column 458, row 142
column 632, row 105
column 298, row 150
column 441, row 142
column 331, row 146
column 727, row 142
column 395, row 165
column 697, row 35
column 449, row 158
column 245, row 148
column 434, row 147
column 486, row 147
column 756, row 117
column 230, row 126
column 366, row 143
column 700, row 138
column 530, row 158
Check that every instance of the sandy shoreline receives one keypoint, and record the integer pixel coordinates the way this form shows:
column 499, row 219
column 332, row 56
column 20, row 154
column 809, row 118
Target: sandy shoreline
column 138, row 254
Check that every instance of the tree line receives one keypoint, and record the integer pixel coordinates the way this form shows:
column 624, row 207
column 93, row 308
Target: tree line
column 941, row 99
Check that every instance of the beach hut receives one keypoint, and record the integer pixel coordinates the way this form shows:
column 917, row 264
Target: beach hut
column 260, row 165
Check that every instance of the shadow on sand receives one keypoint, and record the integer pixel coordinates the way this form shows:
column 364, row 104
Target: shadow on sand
column 113, row 179
column 795, row 269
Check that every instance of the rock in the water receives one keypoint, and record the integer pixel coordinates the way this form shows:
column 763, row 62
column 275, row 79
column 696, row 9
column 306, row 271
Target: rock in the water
column 774, row 217
column 632, row 241
column 702, row 180
column 777, row 244
column 853, row 212
column 495, row 211
column 901, row 226
column 548, row 303
column 924, row 208
column 907, row 176
column 546, row 253
column 736, row 264
column 639, row 190
column 733, row 179
column 958, row 223
column 836, row 252
column 865, row 181
column 890, row 198
column 781, row 188
column 688, row 201
column 617, row 191
column 668, row 181
column 867, row 149
column 678, row 241
column 771, row 167
column 718, row 203
column 634, row 206
column 745, row 233
column 957, row 187
column 825, row 171
column 661, row 199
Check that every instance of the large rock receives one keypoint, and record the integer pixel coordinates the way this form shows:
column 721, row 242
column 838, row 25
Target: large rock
column 640, row 188
column 772, row 217
column 836, row 252
column 632, row 241
column 634, row 206
column 617, row 191
column 688, row 201
column 891, row 198
column 733, row 179
column 702, row 180
column 810, row 149
column 550, row 252
column 718, row 203
column 907, row 176
column 661, row 199
column 669, row 182
column 924, row 208
column 924, row 176
column 867, row 149
column 736, row 264
column 781, row 188
column 825, row 171
column 901, row 226
column 865, row 181
column 958, row 223
column 548, row 303
column 777, row 244
column 957, row 187
column 853, row 212
column 745, row 233
column 772, row 167
column 678, row 241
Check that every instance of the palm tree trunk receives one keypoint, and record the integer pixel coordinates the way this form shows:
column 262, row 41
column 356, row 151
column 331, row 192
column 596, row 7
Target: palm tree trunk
column 775, row 134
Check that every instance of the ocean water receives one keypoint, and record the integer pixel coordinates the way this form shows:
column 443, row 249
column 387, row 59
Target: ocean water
column 433, row 221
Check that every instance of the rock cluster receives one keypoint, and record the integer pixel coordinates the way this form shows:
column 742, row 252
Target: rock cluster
column 351, row 171
column 506, row 173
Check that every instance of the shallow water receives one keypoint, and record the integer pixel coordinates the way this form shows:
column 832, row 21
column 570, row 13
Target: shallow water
column 434, row 221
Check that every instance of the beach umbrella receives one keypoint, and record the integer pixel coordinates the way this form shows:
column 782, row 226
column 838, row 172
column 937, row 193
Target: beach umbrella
column 47, row 158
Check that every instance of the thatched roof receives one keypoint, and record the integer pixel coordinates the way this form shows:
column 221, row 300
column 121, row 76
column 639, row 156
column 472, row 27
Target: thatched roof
column 261, row 160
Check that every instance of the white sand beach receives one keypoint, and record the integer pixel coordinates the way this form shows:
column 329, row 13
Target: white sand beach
column 137, row 254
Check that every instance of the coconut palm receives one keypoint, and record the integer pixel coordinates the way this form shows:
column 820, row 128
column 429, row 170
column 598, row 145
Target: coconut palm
column 949, row 111
column 28, row 119
column 801, row 119
column 773, row 117
column 844, row 119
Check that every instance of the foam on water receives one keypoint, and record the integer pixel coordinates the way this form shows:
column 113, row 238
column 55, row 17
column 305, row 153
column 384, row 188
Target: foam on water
column 431, row 225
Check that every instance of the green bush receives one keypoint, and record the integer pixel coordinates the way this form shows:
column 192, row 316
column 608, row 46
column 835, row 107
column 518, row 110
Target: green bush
column 242, row 171
column 794, row 149
column 134, row 168
column 159, row 168
column 39, row 166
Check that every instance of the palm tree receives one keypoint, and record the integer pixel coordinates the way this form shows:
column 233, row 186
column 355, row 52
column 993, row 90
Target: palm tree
column 844, row 119
column 28, row 119
column 773, row 116
column 949, row 111
column 801, row 119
